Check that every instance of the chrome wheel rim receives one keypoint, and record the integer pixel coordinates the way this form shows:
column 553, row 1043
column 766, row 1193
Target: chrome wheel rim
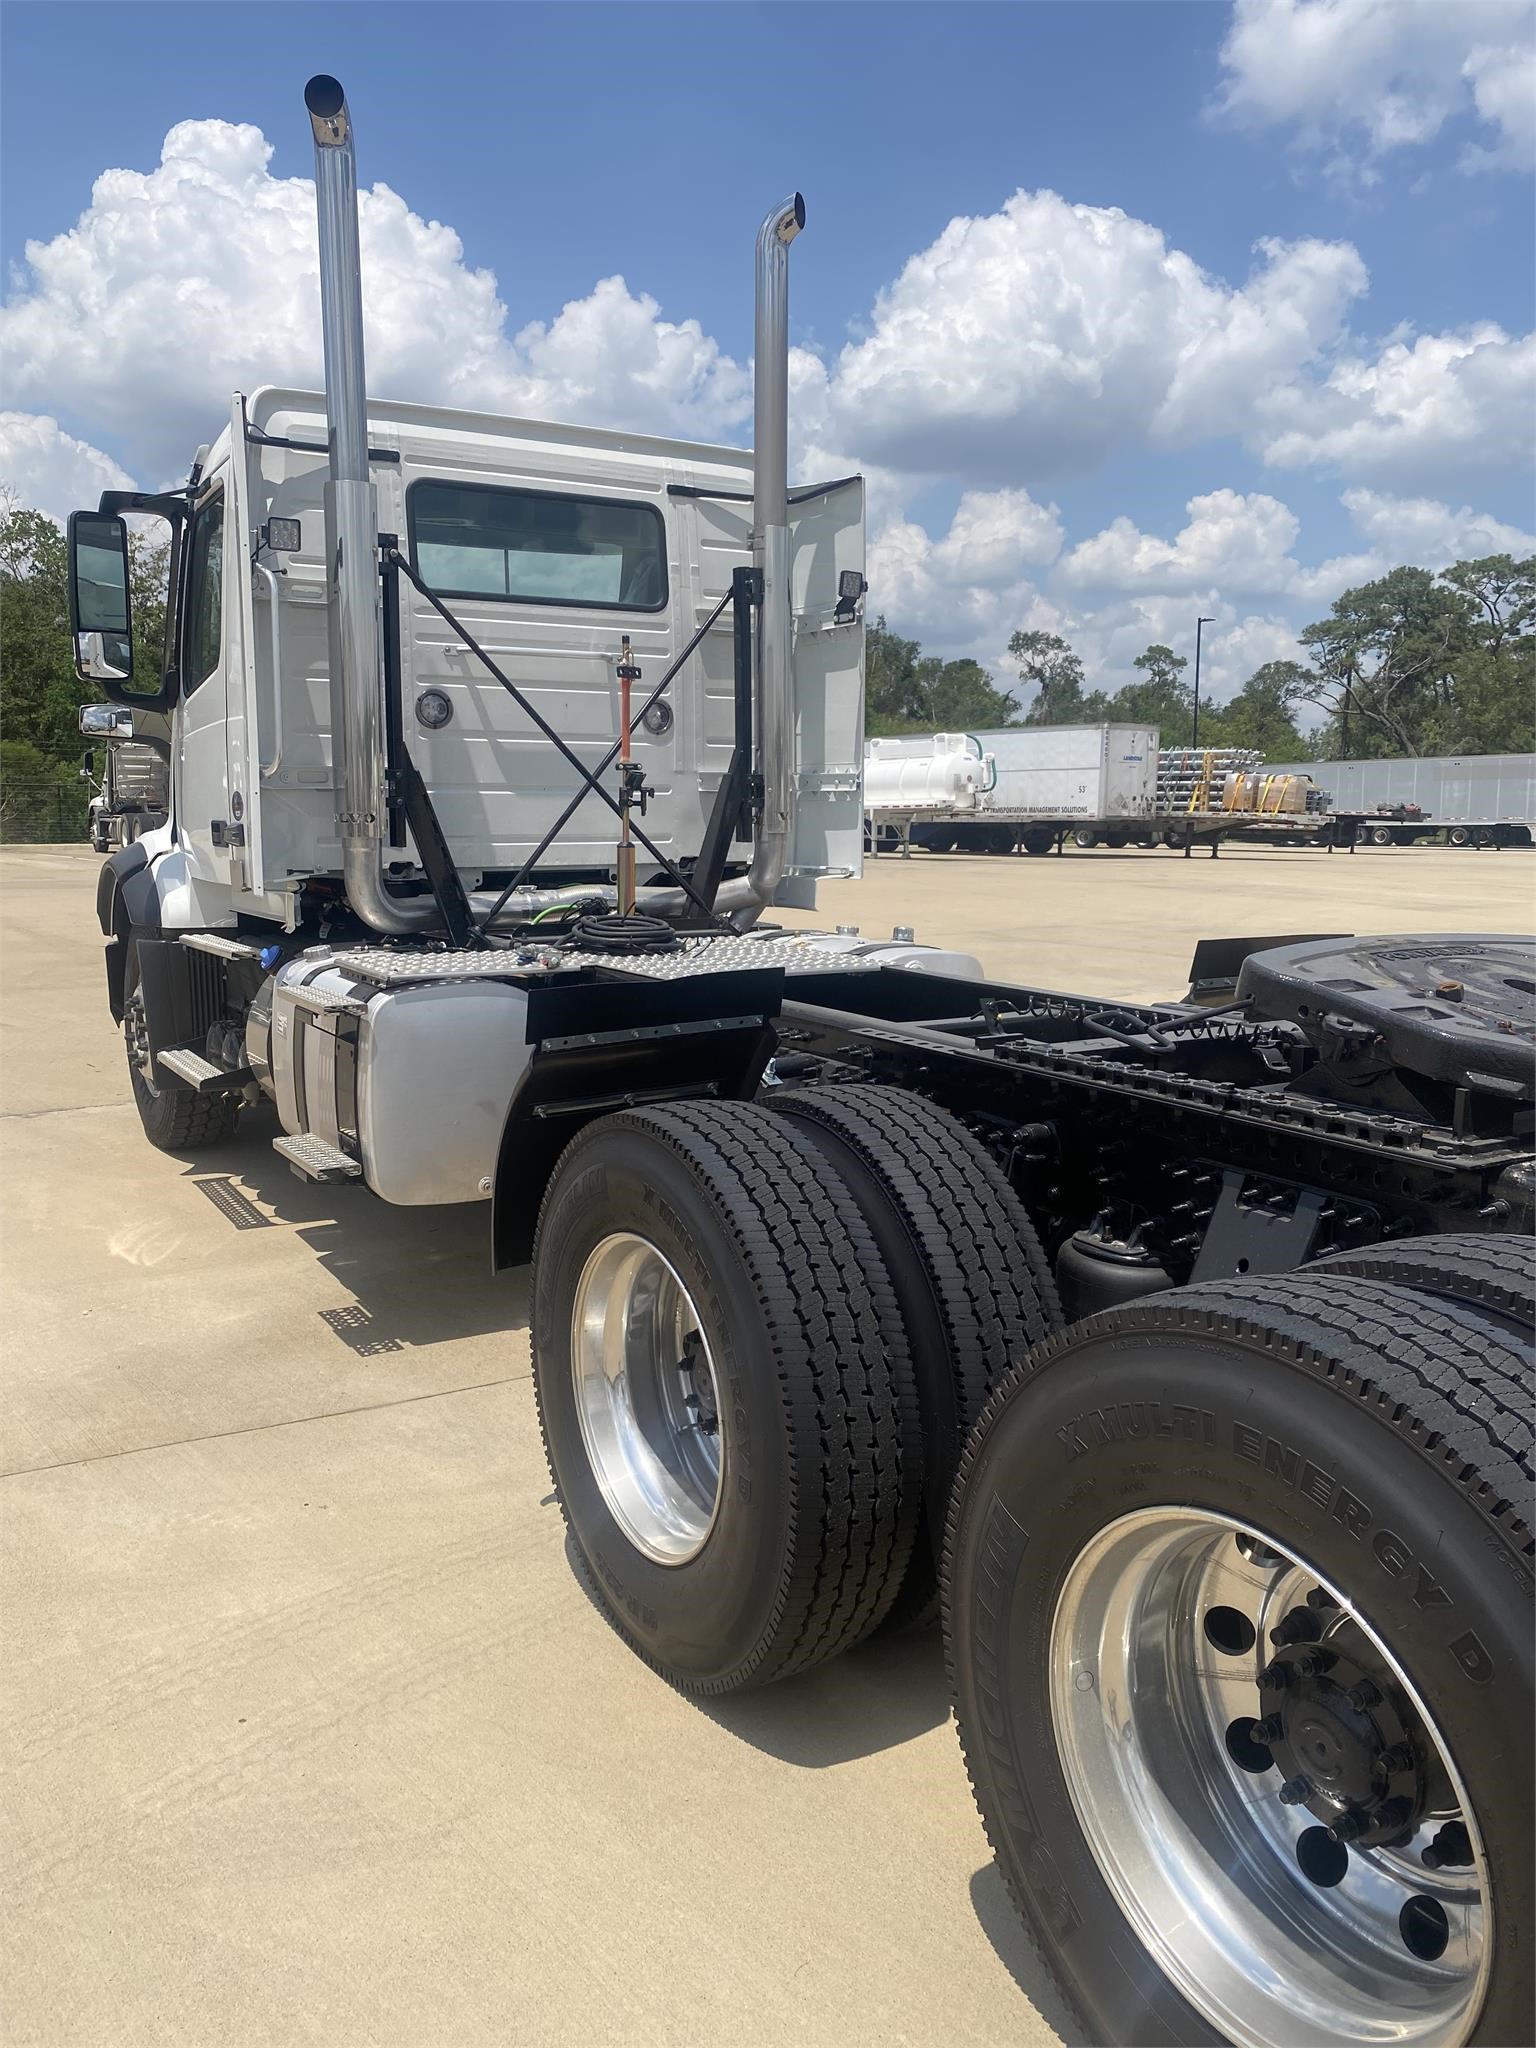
column 1286, row 1923
column 647, row 1398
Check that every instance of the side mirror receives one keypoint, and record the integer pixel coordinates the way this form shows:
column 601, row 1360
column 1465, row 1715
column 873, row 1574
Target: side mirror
column 106, row 722
column 88, row 766
column 100, row 606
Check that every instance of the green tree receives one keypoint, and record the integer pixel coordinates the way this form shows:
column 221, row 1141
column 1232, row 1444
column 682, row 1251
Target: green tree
column 1047, row 662
column 1492, row 706
column 1161, row 698
column 1384, row 663
column 40, row 696
column 908, row 691
column 1261, row 715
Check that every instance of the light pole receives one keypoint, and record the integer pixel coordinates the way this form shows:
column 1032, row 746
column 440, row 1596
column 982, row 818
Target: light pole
column 1200, row 626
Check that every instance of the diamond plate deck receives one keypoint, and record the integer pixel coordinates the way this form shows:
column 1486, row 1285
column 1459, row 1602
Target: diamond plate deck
column 389, row 968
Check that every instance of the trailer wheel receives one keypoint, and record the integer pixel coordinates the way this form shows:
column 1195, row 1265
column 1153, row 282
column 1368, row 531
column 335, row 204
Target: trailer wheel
column 1459, row 835
column 1085, row 838
column 1037, row 839
column 972, row 1281
column 725, row 1393
column 1237, row 1597
column 1494, row 1273
column 174, row 1119
column 1381, row 835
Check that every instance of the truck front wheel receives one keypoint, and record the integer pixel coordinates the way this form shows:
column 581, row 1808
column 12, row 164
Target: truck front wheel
column 725, row 1392
column 174, row 1119
column 1237, row 1597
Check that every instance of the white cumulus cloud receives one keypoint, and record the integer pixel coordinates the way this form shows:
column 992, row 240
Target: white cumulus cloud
column 1433, row 535
column 1361, row 78
column 1417, row 409
column 1037, row 339
column 51, row 471
column 180, row 285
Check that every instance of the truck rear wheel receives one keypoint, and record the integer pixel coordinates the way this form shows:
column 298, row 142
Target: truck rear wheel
column 725, row 1393
column 1237, row 1603
column 1493, row 1272
column 973, row 1284
column 174, row 1119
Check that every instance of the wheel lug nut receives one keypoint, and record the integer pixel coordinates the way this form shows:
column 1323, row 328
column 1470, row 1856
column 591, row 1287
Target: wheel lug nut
column 1276, row 1675
column 1312, row 1663
column 1299, row 1626
column 1398, row 1758
column 1318, row 1597
column 1269, row 1730
column 1364, row 1696
column 1349, row 1827
column 1451, row 1848
column 1295, row 1791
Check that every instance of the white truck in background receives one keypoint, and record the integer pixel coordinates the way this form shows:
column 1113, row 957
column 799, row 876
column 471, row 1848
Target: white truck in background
column 493, row 747
column 132, row 794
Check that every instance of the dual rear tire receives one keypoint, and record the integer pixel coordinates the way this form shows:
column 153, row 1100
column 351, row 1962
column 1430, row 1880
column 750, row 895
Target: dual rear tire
column 759, row 1336
column 1238, row 1594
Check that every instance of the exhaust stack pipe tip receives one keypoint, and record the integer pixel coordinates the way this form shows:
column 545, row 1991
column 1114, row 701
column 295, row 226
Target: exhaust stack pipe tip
column 791, row 220
column 327, row 107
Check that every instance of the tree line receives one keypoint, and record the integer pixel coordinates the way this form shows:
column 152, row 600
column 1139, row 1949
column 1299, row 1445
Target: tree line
column 40, row 695
column 1411, row 664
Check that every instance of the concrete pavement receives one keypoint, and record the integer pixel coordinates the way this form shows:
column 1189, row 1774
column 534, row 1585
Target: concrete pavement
column 311, row 1734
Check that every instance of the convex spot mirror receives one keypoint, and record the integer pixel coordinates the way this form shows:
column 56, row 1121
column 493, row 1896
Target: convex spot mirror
column 106, row 722
column 100, row 607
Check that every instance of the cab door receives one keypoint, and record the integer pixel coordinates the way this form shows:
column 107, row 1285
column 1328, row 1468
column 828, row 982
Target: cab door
column 826, row 539
column 202, row 774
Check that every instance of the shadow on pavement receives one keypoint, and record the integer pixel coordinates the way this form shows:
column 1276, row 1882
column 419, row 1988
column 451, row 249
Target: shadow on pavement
column 884, row 1693
column 1019, row 1956
column 416, row 1276
column 875, row 1697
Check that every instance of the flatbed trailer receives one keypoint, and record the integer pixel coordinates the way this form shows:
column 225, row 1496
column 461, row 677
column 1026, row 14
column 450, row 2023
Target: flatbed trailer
column 1001, row 832
column 1178, row 1354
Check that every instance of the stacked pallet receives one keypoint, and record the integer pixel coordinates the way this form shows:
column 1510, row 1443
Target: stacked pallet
column 1191, row 779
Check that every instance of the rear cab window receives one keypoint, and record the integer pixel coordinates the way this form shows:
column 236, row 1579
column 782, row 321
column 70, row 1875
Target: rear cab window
column 538, row 547
column 205, row 595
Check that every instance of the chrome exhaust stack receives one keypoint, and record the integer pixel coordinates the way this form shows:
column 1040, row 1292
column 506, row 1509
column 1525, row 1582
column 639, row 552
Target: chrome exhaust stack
column 351, row 531
column 775, row 720
column 351, row 536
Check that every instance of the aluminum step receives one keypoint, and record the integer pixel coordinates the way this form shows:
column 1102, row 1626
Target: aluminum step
column 221, row 946
column 324, row 1001
column 312, row 1159
column 203, row 1076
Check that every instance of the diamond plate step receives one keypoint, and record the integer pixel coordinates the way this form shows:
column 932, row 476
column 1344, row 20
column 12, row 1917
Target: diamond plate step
column 220, row 946
column 312, row 1159
column 202, row 1076
column 324, row 1001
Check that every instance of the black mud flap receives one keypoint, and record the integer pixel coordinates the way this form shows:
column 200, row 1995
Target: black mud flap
column 609, row 1045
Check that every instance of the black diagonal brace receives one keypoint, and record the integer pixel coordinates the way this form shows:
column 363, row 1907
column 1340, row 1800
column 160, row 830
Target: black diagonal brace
column 602, row 768
column 589, row 776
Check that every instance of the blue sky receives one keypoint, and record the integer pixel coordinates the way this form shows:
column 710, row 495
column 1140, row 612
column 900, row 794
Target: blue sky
column 569, row 144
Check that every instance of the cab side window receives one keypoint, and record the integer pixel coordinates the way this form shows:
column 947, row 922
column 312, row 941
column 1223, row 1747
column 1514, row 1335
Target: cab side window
column 205, row 596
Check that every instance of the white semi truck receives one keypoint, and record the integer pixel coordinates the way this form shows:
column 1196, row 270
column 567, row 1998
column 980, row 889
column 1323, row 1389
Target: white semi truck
column 1187, row 1342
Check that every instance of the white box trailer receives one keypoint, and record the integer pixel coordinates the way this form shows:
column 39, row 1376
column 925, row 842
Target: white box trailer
column 1073, row 771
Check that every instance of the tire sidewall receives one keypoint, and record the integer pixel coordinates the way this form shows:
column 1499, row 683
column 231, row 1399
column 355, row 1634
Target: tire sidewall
column 703, row 1620
column 1234, row 1429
